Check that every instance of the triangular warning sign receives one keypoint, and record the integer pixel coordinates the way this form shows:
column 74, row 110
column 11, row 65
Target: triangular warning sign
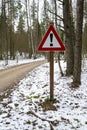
column 51, row 41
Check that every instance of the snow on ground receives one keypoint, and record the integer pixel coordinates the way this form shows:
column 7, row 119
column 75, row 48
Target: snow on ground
column 24, row 108
column 17, row 62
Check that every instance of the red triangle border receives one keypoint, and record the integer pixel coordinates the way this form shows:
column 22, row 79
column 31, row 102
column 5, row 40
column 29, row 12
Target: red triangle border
column 51, row 28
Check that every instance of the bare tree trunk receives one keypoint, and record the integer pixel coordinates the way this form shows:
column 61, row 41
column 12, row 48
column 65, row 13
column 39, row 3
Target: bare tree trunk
column 58, row 54
column 31, row 51
column 34, row 21
column 61, row 71
column 37, row 30
column 28, row 31
column 78, row 44
column 68, row 24
column 11, row 30
column 1, row 46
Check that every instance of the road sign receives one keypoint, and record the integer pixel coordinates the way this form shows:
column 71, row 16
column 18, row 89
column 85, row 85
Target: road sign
column 51, row 41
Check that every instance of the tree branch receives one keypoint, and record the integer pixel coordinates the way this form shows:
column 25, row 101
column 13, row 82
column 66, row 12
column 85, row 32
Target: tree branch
column 43, row 119
column 55, row 14
column 60, row 1
column 61, row 26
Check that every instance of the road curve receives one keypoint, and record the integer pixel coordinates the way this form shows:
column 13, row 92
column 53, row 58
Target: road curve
column 9, row 77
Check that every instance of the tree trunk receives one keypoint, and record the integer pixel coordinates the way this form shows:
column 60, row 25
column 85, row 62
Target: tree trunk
column 28, row 30
column 69, row 37
column 11, row 30
column 78, row 44
column 58, row 54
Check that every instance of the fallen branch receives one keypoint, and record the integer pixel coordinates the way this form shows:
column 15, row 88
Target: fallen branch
column 51, row 122
column 43, row 119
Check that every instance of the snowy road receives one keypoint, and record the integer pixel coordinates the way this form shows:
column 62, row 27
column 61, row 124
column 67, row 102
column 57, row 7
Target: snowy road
column 11, row 76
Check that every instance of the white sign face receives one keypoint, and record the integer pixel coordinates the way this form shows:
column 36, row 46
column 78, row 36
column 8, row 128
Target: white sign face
column 51, row 42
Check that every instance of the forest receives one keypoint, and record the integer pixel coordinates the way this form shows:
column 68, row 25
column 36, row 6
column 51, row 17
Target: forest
column 24, row 22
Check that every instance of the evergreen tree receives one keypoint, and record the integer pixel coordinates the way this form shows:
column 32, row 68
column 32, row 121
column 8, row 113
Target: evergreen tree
column 3, row 33
column 21, row 43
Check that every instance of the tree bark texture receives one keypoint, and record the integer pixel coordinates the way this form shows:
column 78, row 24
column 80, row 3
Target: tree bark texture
column 78, row 44
column 69, row 37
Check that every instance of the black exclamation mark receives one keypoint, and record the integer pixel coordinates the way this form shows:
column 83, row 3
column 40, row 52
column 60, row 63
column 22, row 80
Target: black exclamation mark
column 51, row 39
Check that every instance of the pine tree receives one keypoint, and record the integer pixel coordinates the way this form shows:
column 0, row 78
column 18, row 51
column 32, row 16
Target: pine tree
column 21, row 44
column 3, row 33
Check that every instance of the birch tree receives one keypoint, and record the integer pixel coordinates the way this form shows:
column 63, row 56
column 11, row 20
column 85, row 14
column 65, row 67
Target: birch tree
column 34, row 21
column 27, row 2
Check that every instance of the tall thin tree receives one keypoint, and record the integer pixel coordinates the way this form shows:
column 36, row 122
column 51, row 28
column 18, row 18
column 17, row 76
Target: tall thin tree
column 69, row 37
column 28, row 28
column 78, row 44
